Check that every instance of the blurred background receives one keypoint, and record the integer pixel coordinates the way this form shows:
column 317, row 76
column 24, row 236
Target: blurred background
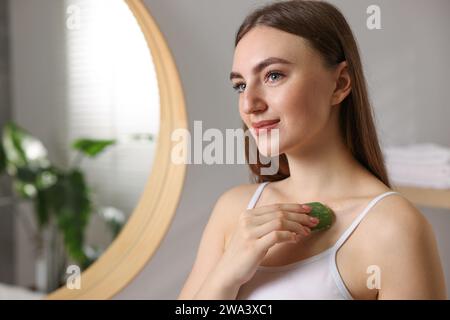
column 79, row 107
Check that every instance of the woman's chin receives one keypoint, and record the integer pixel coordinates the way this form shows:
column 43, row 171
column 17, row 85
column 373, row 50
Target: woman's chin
column 268, row 143
column 268, row 152
column 268, row 157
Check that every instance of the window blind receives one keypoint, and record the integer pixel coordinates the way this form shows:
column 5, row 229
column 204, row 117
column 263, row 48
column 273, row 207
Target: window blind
column 111, row 93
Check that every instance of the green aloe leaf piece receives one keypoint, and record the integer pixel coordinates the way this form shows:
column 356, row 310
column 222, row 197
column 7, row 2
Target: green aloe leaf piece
column 323, row 213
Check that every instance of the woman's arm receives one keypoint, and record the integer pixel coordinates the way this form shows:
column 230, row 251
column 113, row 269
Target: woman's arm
column 209, row 252
column 216, row 287
column 408, row 254
column 206, row 281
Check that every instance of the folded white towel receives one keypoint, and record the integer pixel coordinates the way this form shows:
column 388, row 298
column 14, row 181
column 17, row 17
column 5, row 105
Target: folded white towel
column 424, row 165
column 414, row 182
column 421, row 171
column 425, row 153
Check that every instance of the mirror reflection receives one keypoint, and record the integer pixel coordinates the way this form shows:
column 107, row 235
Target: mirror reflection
column 79, row 124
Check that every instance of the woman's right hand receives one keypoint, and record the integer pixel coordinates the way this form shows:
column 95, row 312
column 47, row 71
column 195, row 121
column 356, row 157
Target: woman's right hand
column 256, row 232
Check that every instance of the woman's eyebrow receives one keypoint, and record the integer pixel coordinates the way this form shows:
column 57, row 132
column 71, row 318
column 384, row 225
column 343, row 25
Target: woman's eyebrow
column 260, row 66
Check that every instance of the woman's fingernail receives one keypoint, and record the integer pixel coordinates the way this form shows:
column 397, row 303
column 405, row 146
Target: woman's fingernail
column 306, row 207
column 306, row 231
column 314, row 220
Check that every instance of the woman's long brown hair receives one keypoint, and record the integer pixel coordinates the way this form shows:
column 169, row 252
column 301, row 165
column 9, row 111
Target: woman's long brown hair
column 324, row 27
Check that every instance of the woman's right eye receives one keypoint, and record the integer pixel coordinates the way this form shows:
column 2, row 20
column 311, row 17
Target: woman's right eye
column 237, row 87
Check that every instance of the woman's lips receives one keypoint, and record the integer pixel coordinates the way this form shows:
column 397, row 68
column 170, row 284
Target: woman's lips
column 265, row 125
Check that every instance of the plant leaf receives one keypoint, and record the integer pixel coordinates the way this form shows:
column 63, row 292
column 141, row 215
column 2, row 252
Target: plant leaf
column 41, row 207
column 29, row 181
column 22, row 149
column 26, row 175
column 25, row 190
column 72, row 205
column 92, row 147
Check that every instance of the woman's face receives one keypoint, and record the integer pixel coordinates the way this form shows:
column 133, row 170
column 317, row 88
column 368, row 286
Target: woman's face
column 298, row 91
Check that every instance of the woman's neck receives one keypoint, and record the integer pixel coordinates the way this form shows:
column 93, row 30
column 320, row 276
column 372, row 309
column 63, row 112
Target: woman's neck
column 326, row 171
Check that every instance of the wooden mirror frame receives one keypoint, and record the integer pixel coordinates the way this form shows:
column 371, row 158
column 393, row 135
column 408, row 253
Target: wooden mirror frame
column 145, row 229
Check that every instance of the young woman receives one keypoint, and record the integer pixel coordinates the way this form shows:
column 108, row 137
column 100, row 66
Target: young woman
column 297, row 70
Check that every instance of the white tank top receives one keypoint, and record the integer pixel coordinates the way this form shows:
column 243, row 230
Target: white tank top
column 316, row 277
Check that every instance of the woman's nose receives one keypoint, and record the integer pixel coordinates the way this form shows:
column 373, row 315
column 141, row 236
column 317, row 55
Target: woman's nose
column 253, row 101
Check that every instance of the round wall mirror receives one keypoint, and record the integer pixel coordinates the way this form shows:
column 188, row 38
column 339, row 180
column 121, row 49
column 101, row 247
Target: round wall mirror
column 88, row 187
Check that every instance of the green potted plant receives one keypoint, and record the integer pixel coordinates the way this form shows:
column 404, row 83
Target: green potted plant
column 61, row 198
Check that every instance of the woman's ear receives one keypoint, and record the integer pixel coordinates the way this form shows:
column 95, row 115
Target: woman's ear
column 343, row 83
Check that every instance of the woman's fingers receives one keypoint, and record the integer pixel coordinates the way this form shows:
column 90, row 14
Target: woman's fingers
column 294, row 207
column 281, row 222
column 302, row 218
column 272, row 238
column 279, row 225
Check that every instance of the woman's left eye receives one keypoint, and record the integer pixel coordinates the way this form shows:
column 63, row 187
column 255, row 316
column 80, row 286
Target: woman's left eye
column 270, row 75
column 238, row 87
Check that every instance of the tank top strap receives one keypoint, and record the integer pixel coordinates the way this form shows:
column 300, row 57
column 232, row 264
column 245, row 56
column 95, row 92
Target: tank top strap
column 359, row 218
column 256, row 195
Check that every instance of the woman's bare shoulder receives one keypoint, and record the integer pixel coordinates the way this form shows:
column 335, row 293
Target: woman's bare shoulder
column 406, row 250
column 397, row 216
column 234, row 201
column 397, row 227
column 238, row 196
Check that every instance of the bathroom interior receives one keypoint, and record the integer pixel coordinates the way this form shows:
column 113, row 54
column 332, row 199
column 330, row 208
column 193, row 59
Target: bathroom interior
column 90, row 92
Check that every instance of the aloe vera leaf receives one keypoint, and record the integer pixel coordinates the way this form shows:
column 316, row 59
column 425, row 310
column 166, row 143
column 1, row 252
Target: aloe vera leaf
column 323, row 213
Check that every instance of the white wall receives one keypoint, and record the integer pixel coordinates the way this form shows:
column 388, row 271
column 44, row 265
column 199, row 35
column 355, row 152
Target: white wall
column 6, row 214
column 37, row 96
column 406, row 67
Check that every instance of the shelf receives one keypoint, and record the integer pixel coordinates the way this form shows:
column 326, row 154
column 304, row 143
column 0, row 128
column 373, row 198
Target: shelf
column 436, row 198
